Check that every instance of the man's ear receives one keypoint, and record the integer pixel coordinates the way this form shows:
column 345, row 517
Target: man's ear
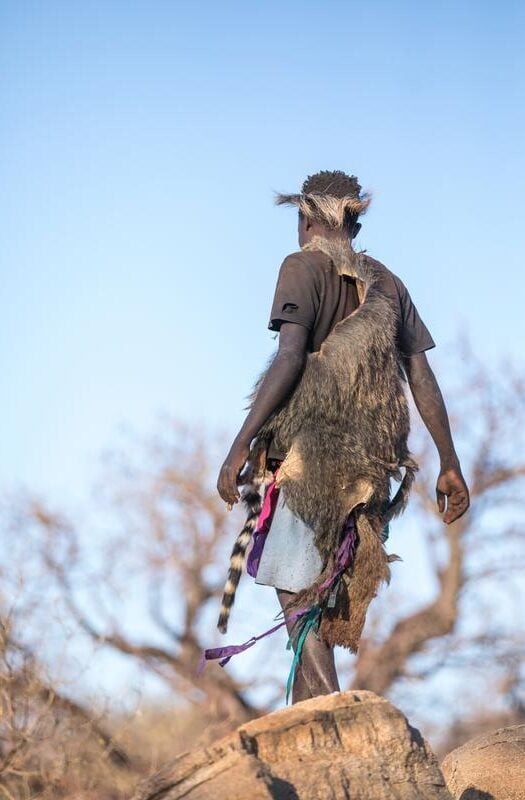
column 357, row 228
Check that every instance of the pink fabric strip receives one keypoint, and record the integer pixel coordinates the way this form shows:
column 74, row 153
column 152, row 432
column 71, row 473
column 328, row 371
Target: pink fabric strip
column 264, row 521
column 268, row 507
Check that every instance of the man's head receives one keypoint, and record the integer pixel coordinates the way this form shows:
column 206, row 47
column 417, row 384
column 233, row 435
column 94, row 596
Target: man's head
column 329, row 205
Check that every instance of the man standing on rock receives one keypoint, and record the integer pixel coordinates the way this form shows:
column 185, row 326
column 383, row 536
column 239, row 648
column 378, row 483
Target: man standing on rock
column 327, row 430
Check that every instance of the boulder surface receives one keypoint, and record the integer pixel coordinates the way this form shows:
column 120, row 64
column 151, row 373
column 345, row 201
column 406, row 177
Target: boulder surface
column 488, row 767
column 347, row 744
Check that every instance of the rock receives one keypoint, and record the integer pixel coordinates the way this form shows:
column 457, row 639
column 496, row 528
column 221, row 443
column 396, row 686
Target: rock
column 347, row 744
column 220, row 771
column 489, row 767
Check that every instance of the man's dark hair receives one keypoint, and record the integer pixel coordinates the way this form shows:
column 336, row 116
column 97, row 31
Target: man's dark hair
column 335, row 182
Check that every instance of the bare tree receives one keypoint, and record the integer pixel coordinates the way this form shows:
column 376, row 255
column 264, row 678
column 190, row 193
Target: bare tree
column 162, row 541
column 173, row 543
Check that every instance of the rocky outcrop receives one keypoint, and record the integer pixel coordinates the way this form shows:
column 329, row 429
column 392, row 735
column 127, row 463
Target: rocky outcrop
column 489, row 767
column 347, row 744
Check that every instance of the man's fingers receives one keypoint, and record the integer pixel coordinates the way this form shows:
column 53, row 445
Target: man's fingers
column 452, row 490
column 455, row 512
column 458, row 503
column 229, row 496
column 229, row 493
column 227, row 487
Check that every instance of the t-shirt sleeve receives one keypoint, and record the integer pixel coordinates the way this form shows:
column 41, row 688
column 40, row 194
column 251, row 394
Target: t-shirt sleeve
column 296, row 297
column 414, row 336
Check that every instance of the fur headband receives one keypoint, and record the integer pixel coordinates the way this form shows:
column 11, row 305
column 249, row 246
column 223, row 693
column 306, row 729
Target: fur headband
column 326, row 208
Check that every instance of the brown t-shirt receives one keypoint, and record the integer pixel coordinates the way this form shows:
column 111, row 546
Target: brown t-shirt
column 312, row 293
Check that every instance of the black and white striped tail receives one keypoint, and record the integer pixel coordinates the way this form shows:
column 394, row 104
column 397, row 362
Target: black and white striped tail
column 252, row 497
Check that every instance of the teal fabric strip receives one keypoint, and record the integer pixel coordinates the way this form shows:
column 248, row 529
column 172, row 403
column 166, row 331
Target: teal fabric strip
column 309, row 622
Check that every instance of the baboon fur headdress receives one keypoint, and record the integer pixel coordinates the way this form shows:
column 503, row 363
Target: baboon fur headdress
column 331, row 198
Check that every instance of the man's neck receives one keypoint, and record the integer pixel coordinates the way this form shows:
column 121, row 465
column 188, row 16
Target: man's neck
column 338, row 248
column 333, row 240
column 329, row 234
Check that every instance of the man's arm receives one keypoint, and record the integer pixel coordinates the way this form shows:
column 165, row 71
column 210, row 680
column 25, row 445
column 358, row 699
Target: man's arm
column 278, row 382
column 430, row 404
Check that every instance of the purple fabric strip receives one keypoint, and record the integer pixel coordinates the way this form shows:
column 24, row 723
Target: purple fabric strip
column 254, row 556
column 345, row 553
column 225, row 653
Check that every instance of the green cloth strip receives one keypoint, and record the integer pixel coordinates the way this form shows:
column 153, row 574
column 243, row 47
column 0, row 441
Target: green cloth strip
column 309, row 622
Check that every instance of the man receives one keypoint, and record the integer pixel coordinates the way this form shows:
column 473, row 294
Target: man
column 330, row 422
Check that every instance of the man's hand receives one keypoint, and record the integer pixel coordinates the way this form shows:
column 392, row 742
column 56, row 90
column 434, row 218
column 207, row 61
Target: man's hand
column 279, row 380
column 451, row 485
column 227, row 481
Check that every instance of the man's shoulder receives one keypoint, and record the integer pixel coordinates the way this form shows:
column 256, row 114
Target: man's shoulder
column 309, row 258
column 388, row 280
column 305, row 265
column 414, row 336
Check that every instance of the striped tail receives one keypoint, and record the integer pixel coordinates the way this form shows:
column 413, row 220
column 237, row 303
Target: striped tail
column 252, row 499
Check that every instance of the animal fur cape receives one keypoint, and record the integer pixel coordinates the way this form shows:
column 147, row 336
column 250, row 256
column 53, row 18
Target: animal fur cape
column 344, row 430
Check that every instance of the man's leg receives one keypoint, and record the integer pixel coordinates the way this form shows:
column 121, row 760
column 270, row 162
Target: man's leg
column 316, row 672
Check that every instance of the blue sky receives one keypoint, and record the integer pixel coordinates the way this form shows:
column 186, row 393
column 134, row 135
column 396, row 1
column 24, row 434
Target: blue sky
column 141, row 145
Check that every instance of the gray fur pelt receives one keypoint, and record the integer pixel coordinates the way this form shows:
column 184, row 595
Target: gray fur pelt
column 344, row 430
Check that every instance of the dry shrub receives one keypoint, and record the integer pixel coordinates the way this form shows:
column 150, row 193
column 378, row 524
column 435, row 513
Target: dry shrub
column 51, row 746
